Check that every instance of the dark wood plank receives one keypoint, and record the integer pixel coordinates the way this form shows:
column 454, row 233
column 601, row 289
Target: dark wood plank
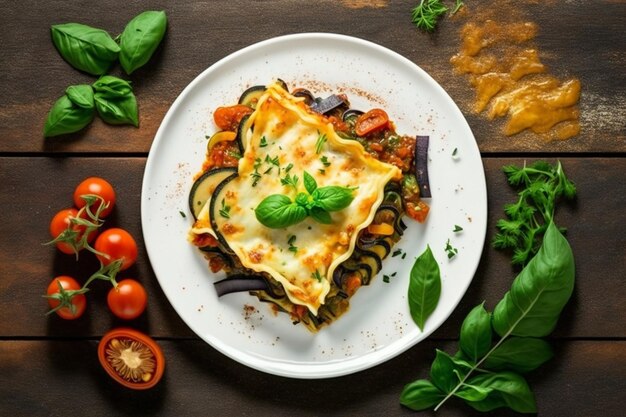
column 584, row 379
column 201, row 33
column 596, row 232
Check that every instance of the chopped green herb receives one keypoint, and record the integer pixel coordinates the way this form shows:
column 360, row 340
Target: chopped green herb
column 403, row 255
column 225, row 210
column 394, row 274
column 426, row 14
column 316, row 275
column 322, row 171
column 288, row 167
column 450, row 250
column 263, row 143
column 325, row 161
column 267, row 171
column 455, row 152
column 386, row 278
column 396, row 253
column 234, row 154
column 255, row 175
column 457, row 5
column 290, row 242
column 321, row 140
column 273, row 161
column 457, row 228
column 182, row 214
column 290, row 180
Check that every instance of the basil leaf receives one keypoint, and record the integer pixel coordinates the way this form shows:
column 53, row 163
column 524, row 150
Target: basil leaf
column 333, row 197
column 470, row 392
column 491, row 402
column 320, row 215
column 84, row 47
column 309, row 183
column 81, row 95
column 511, row 387
column 424, row 287
column 519, row 354
column 66, row 117
column 109, row 86
column 117, row 111
column 277, row 211
column 539, row 293
column 140, row 38
column 475, row 340
column 446, row 371
column 420, row 395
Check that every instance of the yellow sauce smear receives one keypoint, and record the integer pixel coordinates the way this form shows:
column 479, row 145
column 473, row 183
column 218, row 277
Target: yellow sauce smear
column 511, row 82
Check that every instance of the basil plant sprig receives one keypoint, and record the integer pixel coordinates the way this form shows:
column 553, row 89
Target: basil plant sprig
column 487, row 375
column 278, row 211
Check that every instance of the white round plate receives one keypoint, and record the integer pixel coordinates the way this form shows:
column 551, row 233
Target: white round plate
column 378, row 325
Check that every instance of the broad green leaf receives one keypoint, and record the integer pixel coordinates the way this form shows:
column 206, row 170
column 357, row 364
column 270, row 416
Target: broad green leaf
column 320, row 215
column 475, row 340
column 278, row 211
column 140, row 38
column 442, row 371
column 81, row 95
column 84, row 47
column 332, row 197
column 66, row 117
column 424, row 287
column 118, row 111
column 309, row 183
column 470, row 392
column 519, row 354
column 539, row 293
column 512, row 388
column 420, row 395
column 111, row 87
column 491, row 402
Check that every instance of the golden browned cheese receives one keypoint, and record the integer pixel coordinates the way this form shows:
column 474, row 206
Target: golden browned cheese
column 510, row 80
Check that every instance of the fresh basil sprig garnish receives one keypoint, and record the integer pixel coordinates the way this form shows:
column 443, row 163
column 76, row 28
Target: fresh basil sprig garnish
column 140, row 38
column 278, row 211
column 85, row 48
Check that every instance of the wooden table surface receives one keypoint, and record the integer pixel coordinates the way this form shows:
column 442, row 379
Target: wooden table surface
column 49, row 366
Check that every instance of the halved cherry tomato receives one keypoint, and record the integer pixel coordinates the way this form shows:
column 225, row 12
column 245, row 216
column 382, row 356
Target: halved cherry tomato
column 96, row 186
column 62, row 223
column 371, row 121
column 128, row 299
column 117, row 244
column 66, row 298
column 228, row 118
column 131, row 358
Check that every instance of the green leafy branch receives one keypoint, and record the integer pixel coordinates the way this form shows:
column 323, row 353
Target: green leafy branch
column 428, row 12
column 540, row 186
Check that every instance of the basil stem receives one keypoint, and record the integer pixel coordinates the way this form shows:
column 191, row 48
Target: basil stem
column 140, row 38
column 85, row 48
column 66, row 117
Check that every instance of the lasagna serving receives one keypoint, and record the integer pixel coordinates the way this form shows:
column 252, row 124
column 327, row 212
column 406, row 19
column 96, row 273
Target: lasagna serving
column 301, row 198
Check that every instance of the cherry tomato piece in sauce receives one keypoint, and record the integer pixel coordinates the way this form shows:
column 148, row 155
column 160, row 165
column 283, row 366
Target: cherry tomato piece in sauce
column 65, row 297
column 228, row 118
column 131, row 358
column 117, row 244
column 128, row 299
column 372, row 121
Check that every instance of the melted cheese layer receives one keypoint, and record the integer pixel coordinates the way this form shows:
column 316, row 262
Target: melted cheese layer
column 282, row 139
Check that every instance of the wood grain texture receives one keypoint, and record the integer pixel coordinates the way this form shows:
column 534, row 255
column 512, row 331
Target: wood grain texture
column 55, row 378
column 26, row 266
column 201, row 33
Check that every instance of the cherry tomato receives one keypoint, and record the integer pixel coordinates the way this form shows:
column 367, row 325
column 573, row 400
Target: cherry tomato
column 117, row 244
column 61, row 222
column 128, row 300
column 99, row 187
column 228, row 118
column 131, row 358
column 371, row 121
column 66, row 298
